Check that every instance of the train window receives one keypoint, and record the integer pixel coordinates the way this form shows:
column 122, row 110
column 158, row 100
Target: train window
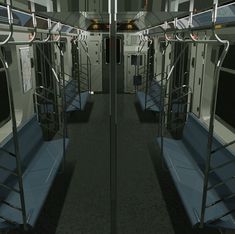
column 225, row 99
column 134, row 60
column 221, row 2
column 163, row 4
column 184, row 6
column 40, row 8
column 229, row 62
column 107, row 51
column 201, row 5
column 4, row 98
column 6, row 51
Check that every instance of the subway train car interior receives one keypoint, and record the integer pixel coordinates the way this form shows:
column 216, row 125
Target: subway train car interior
column 116, row 116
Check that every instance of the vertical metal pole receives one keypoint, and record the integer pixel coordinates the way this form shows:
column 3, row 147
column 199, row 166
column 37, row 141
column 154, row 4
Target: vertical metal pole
column 63, row 102
column 211, row 132
column 16, row 142
column 137, row 69
column 90, row 78
column 147, row 77
column 162, row 106
column 87, row 68
column 81, row 72
column 113, row 115
column 171, row 83
column 78, row 67
column 212, row 116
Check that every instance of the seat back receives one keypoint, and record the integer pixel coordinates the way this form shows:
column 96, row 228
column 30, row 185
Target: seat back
column 70, row 91
column 195, row 137
column 155, row 92
column 30, row 139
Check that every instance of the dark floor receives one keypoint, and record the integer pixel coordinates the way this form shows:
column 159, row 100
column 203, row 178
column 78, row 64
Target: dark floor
column 147, row 200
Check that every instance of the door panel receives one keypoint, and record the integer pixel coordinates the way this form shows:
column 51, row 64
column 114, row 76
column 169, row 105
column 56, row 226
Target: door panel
column 106, row 64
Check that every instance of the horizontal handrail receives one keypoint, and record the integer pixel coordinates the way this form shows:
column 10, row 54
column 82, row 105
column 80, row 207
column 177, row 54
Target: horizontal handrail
column 10, row 21
column 33, row 36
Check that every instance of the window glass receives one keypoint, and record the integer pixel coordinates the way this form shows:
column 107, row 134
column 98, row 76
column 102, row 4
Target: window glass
column 107, row 51
column 134, row 60
column 226, row 100
column 229, row 59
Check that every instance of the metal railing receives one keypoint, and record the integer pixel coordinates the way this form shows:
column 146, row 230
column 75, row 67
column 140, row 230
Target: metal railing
column 179, row 107
column 85, row 68
column 155, row 88
column 76, row 95
column 18, row 172
column 210, row 152
column 41, row 93
column 16, row 154
column 49, row 110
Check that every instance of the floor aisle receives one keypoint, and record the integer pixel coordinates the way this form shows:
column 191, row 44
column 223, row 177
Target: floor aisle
column 141, row 208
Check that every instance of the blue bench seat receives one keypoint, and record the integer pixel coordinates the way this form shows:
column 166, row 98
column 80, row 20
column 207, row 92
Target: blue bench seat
column 146, row 102
column 40, row 163
column 186, row 159
column 79, row 102
column 74, row 100
column 151, row 101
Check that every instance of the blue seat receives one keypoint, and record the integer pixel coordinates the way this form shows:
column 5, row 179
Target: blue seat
column 74, row 100
column 186, row 160
column 146, row 102
column 79, row 102
column 151, row 101
column 40, row 162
